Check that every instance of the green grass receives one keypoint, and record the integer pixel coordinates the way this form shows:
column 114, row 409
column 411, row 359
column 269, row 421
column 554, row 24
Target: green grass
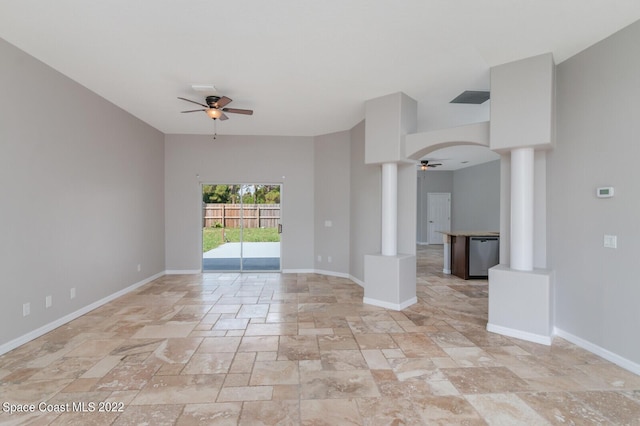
column 212, row 237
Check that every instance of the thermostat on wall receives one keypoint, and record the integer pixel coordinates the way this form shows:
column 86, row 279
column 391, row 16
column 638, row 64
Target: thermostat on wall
column 605, row 192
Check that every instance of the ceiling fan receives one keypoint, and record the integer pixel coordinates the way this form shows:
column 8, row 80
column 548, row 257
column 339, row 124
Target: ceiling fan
column 215, row 107
column 425, row 164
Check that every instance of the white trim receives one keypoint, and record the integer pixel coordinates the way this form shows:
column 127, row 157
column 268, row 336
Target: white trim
column 519, row 334
column 182, row 271
column 284, row 271
column 321, row 272
column 332, row 273
column 324, row 272
column 446, row 271
column 387, row 305
column 604, row 353
column 357, row 281
column 298, row 271
column 19, row 341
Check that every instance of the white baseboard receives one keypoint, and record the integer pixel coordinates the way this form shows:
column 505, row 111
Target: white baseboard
column 446, row 271
column 182, row 271
column 332, row 273
column 604, row 353
column 357, row 281
column 284, row 271
column 387, row 305
column 19, row 341
column 298, row 271
column 316, row 271
column 519, row 334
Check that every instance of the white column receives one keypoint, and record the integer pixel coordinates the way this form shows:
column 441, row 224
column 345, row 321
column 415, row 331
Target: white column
column 522, row 186
column 389, row 243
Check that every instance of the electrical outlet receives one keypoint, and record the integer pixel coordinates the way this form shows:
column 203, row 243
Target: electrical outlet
column 329, row 259
column 319, row 258
column 139, row 267
column 26, row 309
column 72, row 293
column 48, row 301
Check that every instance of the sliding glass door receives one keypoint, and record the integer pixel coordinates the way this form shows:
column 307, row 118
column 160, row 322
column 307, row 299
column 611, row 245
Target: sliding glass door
column 241, row 227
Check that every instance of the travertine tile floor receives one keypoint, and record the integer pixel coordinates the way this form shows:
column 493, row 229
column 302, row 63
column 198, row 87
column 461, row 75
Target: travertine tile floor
column 271, row 349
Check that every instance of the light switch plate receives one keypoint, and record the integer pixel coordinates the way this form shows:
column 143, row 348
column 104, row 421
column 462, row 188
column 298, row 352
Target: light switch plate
column 611, row 241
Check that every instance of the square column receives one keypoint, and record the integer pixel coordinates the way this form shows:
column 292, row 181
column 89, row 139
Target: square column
column 390, row 281
column 521, row 304
column 522, row 121
column 389, row 276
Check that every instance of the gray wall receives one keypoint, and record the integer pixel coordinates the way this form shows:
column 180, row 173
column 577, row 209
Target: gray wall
column 365, row 212
column 194, row 159
column 430, row 181
column 597, row 291
column 475, row 201
column 332, row 156
column 325, row 179
column 82, row 195
column 475, row 197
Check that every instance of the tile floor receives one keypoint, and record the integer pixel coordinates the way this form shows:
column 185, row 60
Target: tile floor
column 267, row 349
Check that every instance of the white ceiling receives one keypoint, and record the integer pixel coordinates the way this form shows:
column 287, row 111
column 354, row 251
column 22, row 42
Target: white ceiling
column 305, row 67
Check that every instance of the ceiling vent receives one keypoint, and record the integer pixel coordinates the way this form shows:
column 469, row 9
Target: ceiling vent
column 204, row 88
column 475, row 97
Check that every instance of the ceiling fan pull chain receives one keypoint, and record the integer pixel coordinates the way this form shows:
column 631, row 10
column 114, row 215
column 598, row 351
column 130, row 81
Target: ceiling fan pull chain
column 215, row 129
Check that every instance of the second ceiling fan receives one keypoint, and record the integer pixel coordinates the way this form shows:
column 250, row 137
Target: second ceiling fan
column 425, row 164
column 215, row 107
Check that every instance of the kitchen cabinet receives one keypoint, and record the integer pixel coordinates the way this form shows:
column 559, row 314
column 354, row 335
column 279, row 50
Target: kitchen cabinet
column 460, row 256
column 464, row 246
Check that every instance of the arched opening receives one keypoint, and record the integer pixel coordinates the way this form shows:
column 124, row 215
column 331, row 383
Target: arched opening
column 467, row 177
column 473, row 171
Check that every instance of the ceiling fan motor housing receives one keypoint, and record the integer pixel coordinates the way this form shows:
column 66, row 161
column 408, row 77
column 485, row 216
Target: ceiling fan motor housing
column 212, row 100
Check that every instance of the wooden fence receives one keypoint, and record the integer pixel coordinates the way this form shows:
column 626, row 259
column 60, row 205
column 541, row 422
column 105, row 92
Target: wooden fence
column 232, row 215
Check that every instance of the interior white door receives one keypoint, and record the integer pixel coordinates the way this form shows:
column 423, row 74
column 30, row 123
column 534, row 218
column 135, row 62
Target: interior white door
column 438, row 216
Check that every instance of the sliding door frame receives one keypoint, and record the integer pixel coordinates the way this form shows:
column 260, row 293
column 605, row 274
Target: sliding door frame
column 242, row 227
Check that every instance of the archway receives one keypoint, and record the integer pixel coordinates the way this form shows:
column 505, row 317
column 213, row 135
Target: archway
column 418, row 145
column 471, row 193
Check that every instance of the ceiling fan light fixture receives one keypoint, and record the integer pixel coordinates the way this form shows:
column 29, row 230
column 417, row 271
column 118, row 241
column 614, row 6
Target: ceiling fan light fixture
column 426, row 165
column 214, row 113
column 215, row 107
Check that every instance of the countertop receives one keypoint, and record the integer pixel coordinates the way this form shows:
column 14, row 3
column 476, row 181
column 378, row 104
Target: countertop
column 471, row 233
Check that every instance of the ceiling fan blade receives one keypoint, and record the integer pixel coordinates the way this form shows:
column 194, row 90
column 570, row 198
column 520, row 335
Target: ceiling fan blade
column 222, row 102
column 194, row 110
column 193, row 102
column 223, row 117
column 435, row 164
column 238, row 111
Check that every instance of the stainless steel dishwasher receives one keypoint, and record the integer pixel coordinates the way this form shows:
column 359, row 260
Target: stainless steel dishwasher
column 483, row 254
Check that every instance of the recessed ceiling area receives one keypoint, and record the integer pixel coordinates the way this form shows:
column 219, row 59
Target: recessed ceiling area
column 304, row 68
column 459, row 157
column 473, row 97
